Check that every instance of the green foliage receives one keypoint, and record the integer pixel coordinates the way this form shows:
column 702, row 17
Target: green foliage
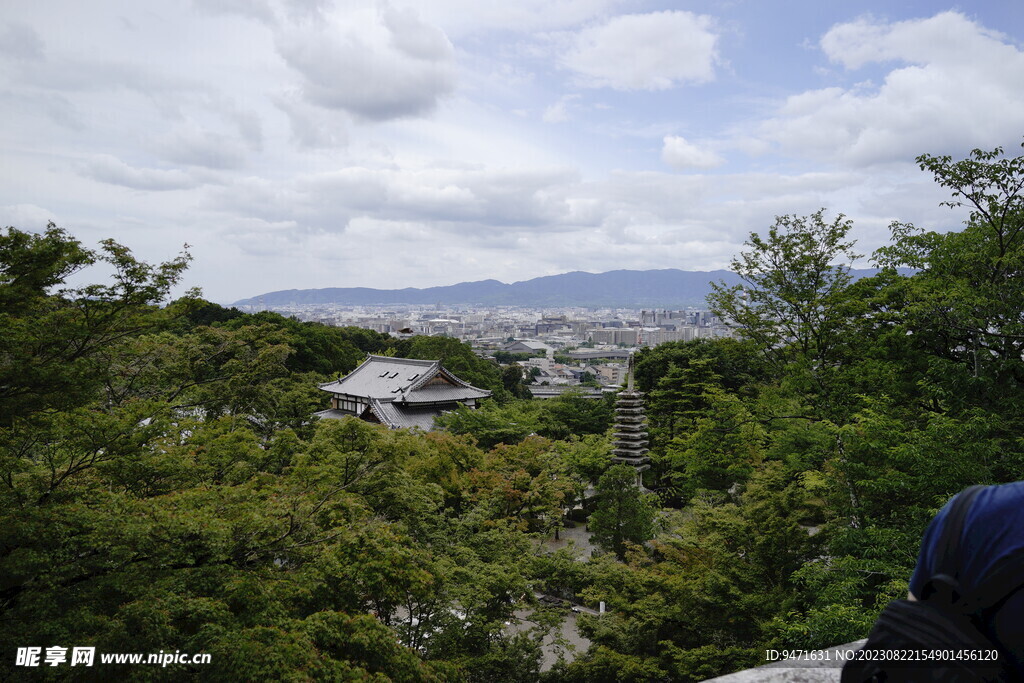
column 737, row 364
column 512, row 382
column 623, row 514
column 794, row 303
column 965, row 306
column 456, row 357
column 196, row 312
column 162, row 485
column 586, row 457
column 57, row 347
column 679, row 396
column 698, row 604
column 714, row 452
column 508, row 358
column 492, row 423
column 525, row 483
column 562, row 418
column 676, row 377
column 571, row 415
column 603, row 663
column 317, row 348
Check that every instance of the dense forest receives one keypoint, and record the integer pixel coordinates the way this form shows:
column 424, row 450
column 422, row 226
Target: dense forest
column 163, row 486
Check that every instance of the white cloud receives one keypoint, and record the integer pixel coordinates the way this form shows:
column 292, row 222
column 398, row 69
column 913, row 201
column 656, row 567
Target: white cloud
column 959, row 87
column 313, row 127
column 193, row 145
column 305, row 9
column 467, row 201
column 681, row 154
column 108, row 169
column 52, row 106
column 374, row 65
column 466, row 17
column 21, row 42
column 559, row 111
column 151, row 124
column 653, row 51
column 259, row 10
column 414, row 37
column 27, row 217
column 948, row 38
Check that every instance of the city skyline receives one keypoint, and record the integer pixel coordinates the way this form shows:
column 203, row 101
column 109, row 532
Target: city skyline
column 306, row 144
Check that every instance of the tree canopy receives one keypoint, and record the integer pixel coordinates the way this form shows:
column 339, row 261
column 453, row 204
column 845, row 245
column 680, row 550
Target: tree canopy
column 163, row 485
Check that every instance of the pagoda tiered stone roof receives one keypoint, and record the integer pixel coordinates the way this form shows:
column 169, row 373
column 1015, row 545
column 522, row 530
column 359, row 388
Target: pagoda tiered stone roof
column 399, row 392
column 630, row 444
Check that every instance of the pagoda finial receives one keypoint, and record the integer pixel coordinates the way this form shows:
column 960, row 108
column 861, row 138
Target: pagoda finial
column 629, row 374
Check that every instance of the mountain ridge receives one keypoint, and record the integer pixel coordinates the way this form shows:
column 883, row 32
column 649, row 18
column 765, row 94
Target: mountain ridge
column 661, row 288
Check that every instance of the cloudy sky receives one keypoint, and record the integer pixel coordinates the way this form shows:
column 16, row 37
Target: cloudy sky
column 334, row 143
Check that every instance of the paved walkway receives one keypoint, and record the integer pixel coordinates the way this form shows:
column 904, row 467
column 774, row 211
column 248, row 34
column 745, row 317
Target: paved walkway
column 565, row 641
column 577, row 537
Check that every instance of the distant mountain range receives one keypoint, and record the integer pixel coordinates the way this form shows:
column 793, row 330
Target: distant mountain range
column 669, row 288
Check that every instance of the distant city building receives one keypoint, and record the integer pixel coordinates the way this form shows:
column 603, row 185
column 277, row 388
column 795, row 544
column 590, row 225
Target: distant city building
column 613, row 335
column 544, row 364
column 592, row 354
column 550, row 324
column 491, row 327
column 555, row 390
column 399, row 392
column 526, row 346
column 611, row 373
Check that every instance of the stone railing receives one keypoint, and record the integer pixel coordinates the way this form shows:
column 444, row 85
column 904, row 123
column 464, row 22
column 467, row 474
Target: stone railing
column 805, row 670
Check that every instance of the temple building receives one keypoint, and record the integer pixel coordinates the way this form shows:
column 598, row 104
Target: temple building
column 630, row 444
column 399, row 392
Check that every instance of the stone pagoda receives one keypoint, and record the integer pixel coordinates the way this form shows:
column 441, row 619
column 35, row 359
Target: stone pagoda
column 630, row 445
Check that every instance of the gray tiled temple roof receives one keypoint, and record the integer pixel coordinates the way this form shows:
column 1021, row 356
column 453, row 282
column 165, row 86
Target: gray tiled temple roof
column 403, row 417
column 441, row 393
column 331, row 414
column 402, row 392
column 383, row 377
column 394, row 416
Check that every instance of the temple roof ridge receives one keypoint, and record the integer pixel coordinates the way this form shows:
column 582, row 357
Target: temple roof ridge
column 390, row 379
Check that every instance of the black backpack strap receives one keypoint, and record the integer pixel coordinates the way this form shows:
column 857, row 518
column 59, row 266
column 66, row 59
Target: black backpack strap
column 947, row 568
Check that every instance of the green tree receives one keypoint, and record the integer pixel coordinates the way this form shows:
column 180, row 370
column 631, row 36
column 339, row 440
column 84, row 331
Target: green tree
column 213, row 369
column 493, row 423
column 716, row 451
column 586, row 457
column 571, row 414
column 172, row 497
column 678, row 398
column 794, row 302
column 527, row 483
column 512, row 382
column 737, row 363
column 623, row 514
column 695, row 604
column 315, row 347
column 56, row 346
column 456, row 357
column 965, row 305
